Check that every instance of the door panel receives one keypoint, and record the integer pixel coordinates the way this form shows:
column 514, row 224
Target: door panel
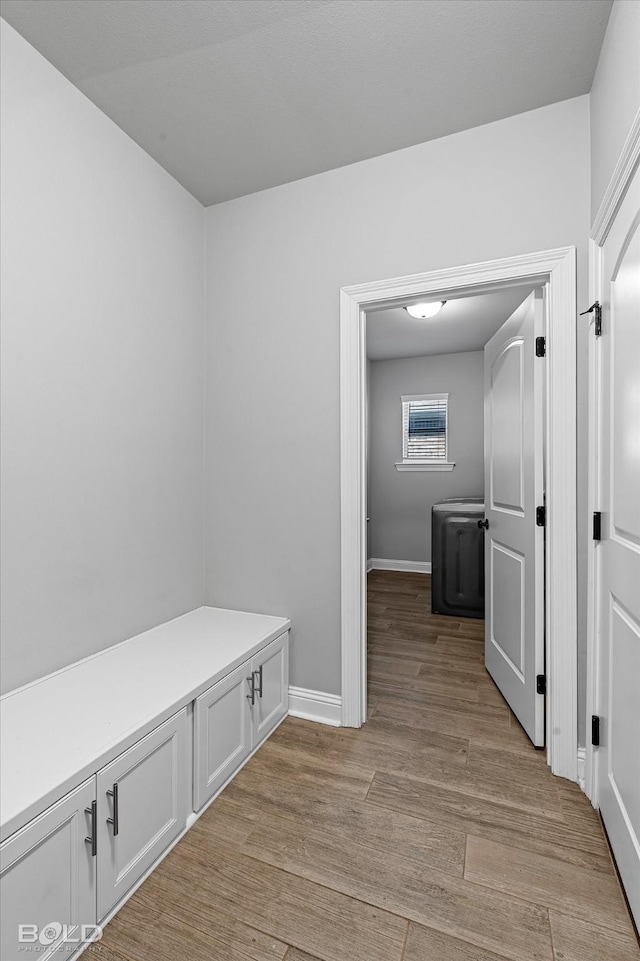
column 624, row 674
column 506, row 477
column 514, row 545
column 508, row 577
column 273, row 701
column 625, row 413
column 150, row 776
column 618, row 553
column 144, row 792
column 48, row 880
column 222, row 738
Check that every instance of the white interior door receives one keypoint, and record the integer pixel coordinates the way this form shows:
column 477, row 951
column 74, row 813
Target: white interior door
column 514, row 544
column 618, row 554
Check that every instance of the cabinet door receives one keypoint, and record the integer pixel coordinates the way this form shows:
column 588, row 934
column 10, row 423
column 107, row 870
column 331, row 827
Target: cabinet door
column 222, row 738
column 142, row 807
column 48, row 881
column 271, row 673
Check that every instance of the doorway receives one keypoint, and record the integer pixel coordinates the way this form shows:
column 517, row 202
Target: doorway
column 455, row 471
column 556, row 270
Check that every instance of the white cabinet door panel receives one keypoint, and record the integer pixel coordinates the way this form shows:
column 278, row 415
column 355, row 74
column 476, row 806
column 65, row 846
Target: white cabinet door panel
column 222, row 732
column 142, row 807
column 48, row 881
column 271, row 672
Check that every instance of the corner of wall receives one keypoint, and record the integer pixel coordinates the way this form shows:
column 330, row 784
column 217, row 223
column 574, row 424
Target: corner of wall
column 204, row 404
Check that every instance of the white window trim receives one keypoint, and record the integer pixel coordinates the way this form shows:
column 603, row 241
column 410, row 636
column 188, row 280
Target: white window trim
column 414, row 463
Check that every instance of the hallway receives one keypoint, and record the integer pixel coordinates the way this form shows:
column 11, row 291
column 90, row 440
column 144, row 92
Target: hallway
column 435, row 833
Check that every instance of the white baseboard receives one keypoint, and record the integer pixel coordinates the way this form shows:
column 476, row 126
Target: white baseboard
column 315, row 706
column 386, row 564
column 581, row 756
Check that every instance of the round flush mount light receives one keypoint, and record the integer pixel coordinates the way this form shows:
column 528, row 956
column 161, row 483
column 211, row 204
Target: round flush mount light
column 422, row 311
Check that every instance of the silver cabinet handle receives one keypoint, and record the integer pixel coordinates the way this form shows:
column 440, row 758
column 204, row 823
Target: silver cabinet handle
column 93, row 837
column 251, row 696
column 259, row 673
column 114, row 820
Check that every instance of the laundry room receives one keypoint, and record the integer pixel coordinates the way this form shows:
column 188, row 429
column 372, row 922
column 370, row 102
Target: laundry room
column 447, row 390
column 435, row 371
column 440, row 358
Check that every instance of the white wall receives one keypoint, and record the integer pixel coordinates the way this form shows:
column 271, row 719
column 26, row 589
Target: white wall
column 401, row 502
column 275, row 263
column 102, row 403
column 615, row 95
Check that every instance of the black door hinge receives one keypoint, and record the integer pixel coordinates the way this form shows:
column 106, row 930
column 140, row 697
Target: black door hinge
column 596, row 309
column 541, row 516
column 595, row 730
column 541, row 346
column 597, row 526
column 541, row 684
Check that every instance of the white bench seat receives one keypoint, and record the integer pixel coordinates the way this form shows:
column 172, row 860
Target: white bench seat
column 61, row 729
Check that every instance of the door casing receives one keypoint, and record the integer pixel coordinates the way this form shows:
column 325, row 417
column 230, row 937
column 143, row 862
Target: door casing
column 557, row 269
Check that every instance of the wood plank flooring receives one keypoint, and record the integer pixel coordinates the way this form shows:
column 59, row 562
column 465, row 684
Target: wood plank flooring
column 434, row 833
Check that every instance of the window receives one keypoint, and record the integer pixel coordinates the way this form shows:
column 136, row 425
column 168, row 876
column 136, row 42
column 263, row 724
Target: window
column 424, row 428
column 425, row 432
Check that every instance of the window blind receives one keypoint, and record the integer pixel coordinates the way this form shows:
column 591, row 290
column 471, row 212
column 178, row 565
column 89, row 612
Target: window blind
column 424, row 429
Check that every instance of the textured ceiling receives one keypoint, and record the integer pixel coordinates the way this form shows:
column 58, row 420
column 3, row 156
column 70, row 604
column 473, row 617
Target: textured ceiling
column 232, row 96
column 465, row 323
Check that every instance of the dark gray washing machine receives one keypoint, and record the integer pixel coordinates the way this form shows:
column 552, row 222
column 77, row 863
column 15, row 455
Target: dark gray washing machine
column 457, row 557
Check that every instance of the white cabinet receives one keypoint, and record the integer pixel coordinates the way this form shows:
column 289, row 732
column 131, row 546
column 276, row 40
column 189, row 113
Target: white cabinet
column 271, row 677
column 48, row 880
column 236, row 714
column 70, row 866
column 69, row 859
column 222, row 733
column 142, row 808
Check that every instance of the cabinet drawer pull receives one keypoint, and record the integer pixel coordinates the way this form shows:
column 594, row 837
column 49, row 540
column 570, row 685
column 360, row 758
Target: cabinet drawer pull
column 114, row 820
column 251, row 696
column 93, row 837
column 259, row 673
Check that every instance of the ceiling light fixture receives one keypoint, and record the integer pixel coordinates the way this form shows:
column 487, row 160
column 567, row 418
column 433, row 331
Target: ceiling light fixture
column 422, row 311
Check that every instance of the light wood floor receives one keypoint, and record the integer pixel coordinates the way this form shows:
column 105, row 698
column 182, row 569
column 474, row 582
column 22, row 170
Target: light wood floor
column 435, row 833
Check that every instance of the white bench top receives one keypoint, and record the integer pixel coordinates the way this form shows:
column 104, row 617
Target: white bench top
column 58, row 731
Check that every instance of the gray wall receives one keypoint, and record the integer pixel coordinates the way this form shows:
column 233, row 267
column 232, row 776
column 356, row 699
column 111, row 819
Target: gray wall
column 102, row 381
column 615, row 94
column 275, row 263
column 102, row 286
column 401, row 502
column 367, row 415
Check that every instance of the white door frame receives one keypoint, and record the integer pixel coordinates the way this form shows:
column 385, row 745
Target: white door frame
column 627, row 164
column 557, row 269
